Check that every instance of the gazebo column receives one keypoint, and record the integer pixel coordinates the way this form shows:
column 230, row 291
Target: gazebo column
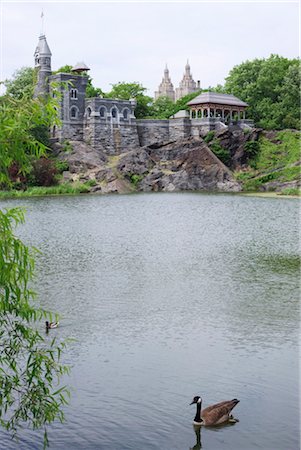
column 190, row 114
column 238, row 115
column 202, row 111
column 223, row 114
column 214, row 112
column 244, row 115
column 231, row 114
column 208, row 112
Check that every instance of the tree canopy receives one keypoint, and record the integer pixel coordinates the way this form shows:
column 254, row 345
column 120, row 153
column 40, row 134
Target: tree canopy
column 22, row 83
column 271, row 87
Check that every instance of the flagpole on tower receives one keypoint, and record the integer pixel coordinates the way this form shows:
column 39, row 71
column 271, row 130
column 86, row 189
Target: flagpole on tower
column 42, row 23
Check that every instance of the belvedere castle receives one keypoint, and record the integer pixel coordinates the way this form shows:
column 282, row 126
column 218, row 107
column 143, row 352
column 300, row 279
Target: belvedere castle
column 111, row 126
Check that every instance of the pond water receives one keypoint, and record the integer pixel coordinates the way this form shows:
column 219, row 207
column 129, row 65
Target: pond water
column 170, row 296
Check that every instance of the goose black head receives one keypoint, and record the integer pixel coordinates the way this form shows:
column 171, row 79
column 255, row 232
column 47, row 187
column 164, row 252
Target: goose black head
column 196, row 399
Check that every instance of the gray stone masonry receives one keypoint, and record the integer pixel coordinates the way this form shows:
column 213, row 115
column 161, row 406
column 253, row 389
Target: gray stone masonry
column 152, row 131
column 72, row 90
column 110, row 125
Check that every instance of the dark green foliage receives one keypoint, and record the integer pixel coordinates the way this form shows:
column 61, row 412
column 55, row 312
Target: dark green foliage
column 209, row 136
column 41, row 134
column 61, row 166
column 271, row 87
column 251, row 148
column 135, row 179
column 222, row 153
column 90, row 183
column 44, row 172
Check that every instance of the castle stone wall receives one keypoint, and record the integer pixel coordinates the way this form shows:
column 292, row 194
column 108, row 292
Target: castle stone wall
column 179, row 128
column 152, row 131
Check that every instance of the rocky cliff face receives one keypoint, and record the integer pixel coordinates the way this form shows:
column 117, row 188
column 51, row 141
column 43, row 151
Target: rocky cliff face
column 234, row 140
column 186, row 164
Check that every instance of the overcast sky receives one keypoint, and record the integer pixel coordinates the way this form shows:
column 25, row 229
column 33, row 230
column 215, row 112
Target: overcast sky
column 132, row 41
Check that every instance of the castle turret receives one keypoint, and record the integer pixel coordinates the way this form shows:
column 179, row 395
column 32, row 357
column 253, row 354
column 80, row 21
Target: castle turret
column 42, row 57
column 166, row 87
column 187, row 85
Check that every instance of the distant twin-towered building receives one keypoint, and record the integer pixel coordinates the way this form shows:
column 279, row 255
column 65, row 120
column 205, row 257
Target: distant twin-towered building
column 187, row 85
column 110, row 125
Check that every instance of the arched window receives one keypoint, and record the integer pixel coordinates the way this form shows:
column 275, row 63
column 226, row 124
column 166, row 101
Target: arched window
column 114, row 113
column 73, row 112
column 89, row 110
column 73, row 94
column 102, row 111
column 125, row 113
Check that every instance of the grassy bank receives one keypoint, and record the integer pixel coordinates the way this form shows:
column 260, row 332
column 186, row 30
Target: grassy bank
column 61, row 189
column 275, row 164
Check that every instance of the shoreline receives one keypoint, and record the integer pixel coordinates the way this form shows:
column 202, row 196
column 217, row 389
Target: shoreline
column 5, row 195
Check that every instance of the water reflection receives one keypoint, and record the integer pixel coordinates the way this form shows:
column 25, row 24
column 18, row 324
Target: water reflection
column 198, row 444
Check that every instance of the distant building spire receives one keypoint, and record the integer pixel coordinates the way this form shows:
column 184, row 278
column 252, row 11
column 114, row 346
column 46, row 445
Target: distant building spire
column 166, row 88
column 187, row 85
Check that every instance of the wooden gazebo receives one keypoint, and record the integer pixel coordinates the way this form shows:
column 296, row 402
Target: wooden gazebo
column 223, row 107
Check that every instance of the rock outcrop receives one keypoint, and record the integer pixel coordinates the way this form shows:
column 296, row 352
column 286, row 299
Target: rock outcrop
column 186, row 164
column 234, row 140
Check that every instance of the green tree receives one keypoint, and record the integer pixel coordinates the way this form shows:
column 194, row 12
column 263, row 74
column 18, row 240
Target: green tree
column 18, row 120
column 22, row 83
column 266, row 84
column 163, row 108
column 30, row 367
column 127, row 91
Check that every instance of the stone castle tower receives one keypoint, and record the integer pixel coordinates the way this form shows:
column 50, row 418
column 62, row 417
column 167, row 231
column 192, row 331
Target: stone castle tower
column 42, row 57
column 166, row 87
column 186, row 86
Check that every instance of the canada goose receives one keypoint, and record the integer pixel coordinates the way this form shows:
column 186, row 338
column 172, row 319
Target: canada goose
column 50, row 325
column 214, row 414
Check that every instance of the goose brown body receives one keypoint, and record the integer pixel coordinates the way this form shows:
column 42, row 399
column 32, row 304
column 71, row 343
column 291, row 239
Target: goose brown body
column 215, row 414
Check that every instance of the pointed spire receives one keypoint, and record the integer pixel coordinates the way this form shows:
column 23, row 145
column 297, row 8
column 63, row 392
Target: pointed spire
column 166, row 88
column 42, row 23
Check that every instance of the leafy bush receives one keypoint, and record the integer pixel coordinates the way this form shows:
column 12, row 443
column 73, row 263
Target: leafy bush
column 222, row 153
column 90, row 183
column 135, row 179
column 43, row 172
column 61, row 166
column 67, row 147
column 209, row 136
column 252, row 148
column 291, row 191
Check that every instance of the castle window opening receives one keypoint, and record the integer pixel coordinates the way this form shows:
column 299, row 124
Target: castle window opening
column 73, row 112
column 89, row 112
column 125, row 113
column 73, row 94
column 114, row 113
column 102, row 111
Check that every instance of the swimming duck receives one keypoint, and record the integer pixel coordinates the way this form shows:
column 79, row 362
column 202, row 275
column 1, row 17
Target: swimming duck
column 50, row 325
column 214, row 414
